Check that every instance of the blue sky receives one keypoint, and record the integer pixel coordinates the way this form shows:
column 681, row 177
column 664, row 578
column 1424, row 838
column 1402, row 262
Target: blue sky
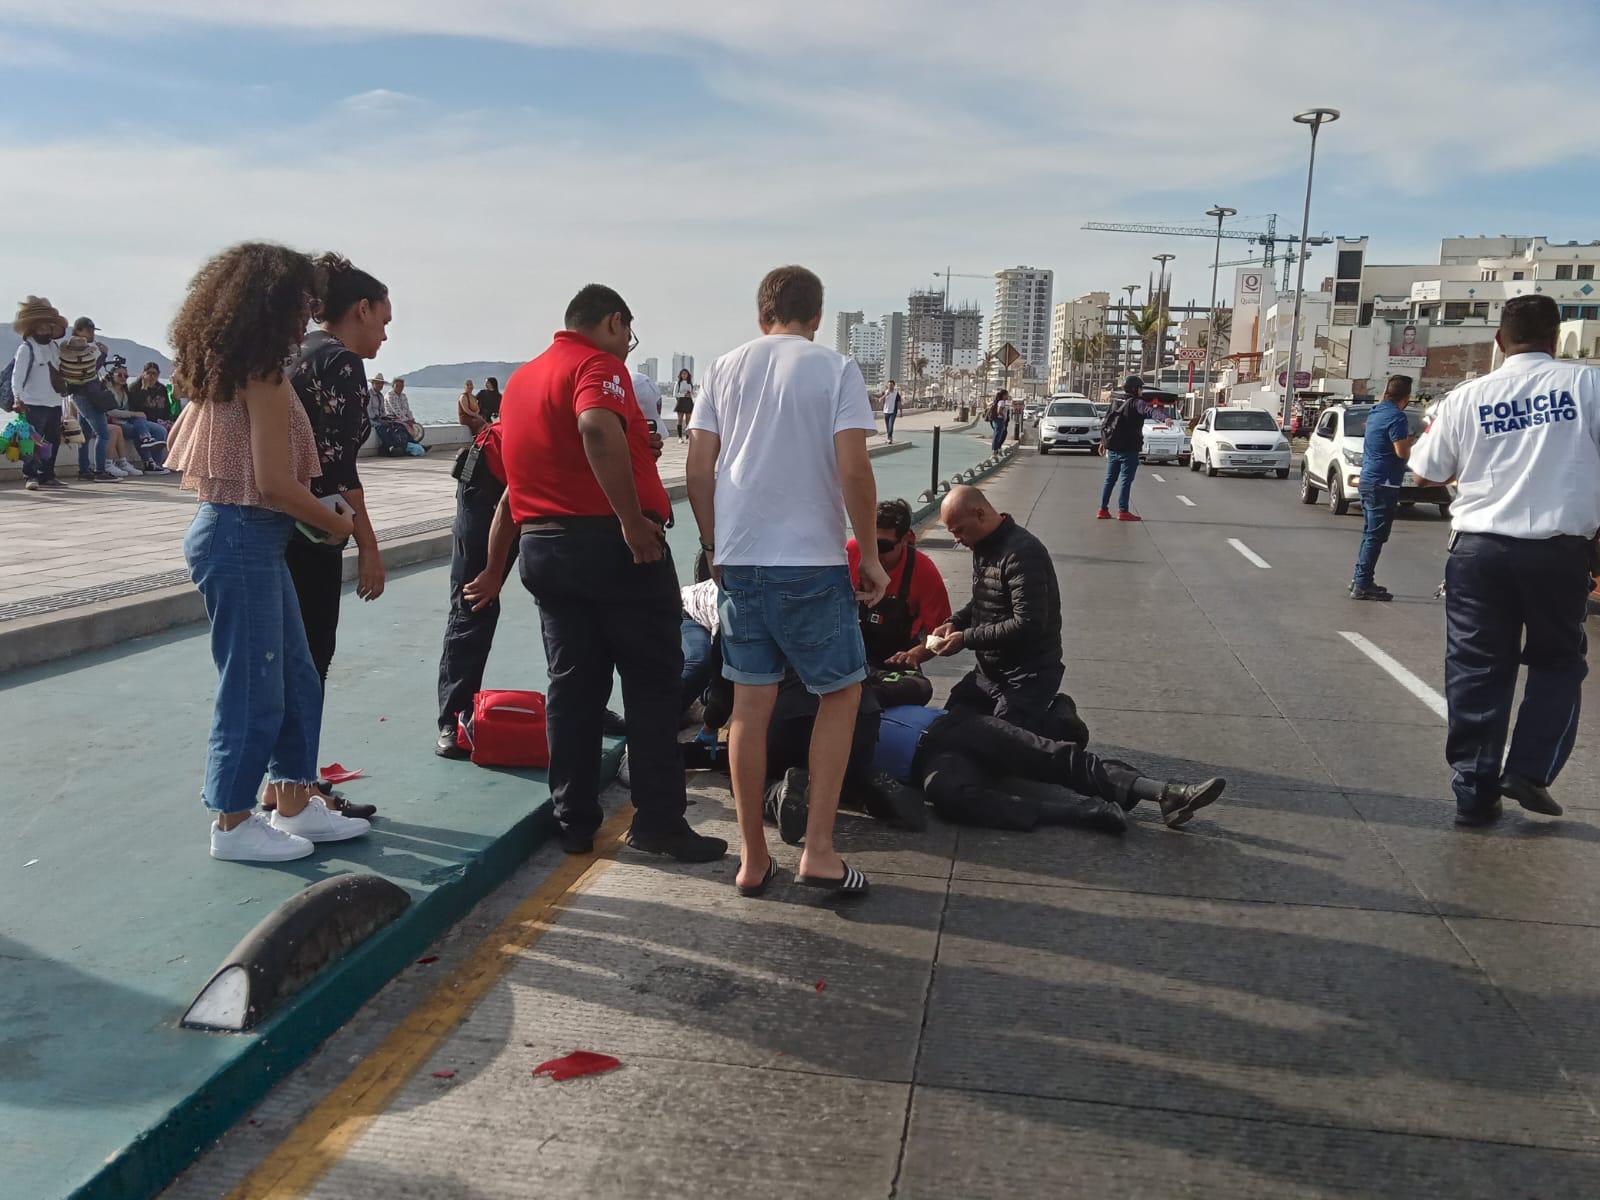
column 486, row 157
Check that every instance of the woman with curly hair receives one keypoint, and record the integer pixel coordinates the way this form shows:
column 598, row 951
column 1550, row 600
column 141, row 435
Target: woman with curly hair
column 245, row 447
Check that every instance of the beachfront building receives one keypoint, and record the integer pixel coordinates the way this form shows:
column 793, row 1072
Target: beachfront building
column 894, row 347
column 1082, row 318
column 865, row 345
column 843, row 323
column 1022, row 317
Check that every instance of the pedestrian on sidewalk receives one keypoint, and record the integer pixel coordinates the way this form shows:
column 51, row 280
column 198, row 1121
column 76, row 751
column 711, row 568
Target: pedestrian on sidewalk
column 777, row 457
column 470, row 626
column 891, row 409
column 245, row 446
column 331, row 382
column 998, row 413
column 1122, row 441
column 683, row 401
column 489, row 398
column 1012, row 623
column 1523, row 444
column 1384, row 450
column 581, row 481
column 81, row 359
column 36, row 384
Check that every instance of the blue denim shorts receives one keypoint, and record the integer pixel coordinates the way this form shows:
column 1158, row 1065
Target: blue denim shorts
column 799, row 617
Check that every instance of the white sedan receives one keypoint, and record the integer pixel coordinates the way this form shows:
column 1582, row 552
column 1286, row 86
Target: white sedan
column 1246, row 440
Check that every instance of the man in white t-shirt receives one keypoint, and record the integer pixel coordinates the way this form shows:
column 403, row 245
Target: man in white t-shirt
column 891, row 408
column 1523, row 445
column 648, row 394
column 777, row 459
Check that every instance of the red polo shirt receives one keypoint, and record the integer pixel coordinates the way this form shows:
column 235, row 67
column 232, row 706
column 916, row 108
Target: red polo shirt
column 547, row 473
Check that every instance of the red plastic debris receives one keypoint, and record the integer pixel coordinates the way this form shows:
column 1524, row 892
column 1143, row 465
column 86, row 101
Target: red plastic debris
column 335, row 773
column 821, row 984
column 576, row 1065
column 383, row 718
column 422, row 962
column 444, row 1074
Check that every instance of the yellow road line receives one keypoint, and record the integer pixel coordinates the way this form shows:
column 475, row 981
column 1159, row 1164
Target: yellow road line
column 326, row 1133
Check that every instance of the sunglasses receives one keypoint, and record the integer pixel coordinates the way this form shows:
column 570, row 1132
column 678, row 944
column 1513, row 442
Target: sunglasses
column 887, row 545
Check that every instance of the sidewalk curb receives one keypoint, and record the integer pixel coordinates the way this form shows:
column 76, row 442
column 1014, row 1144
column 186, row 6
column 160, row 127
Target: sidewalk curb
column 149, row 1164
column 32, row 641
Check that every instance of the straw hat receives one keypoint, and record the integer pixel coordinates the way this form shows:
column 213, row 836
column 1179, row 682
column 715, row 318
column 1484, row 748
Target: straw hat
column 379, row 379
column 35, row 309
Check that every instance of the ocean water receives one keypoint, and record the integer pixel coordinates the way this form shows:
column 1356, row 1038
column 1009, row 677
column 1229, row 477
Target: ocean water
column 433, row 406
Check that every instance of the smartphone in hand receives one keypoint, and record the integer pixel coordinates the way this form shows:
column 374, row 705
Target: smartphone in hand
column 321, row 536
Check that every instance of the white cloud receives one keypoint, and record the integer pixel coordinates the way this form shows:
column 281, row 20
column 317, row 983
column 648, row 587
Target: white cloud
column 882, row 142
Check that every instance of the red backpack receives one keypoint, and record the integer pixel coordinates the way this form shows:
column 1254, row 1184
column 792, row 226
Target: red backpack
column 505, row 729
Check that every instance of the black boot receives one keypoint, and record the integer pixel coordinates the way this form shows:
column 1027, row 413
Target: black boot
column 1179, row 801
column 884, row 798
column 788, row 805
column 1083, row 812
column 1063, row 722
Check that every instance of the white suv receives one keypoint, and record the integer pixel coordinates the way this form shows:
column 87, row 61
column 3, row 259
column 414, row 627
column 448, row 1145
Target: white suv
column 1069, row 423
column 1333, row 461
column 1247, row 440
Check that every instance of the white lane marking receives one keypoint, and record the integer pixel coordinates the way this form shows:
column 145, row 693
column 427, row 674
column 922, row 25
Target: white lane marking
column 1402, row 676
column 1158, row 478
column 1187, row 501
column 1250, row 554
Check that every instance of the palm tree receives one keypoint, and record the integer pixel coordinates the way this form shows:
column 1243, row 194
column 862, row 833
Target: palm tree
column 1150, row 325
column 919, row 366
column 1221, row 328
column 986, row 369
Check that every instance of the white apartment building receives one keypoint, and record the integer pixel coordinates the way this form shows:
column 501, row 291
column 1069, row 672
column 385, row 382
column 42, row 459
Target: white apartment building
column 843, row 323
column 865, row 344
column 681, row 362
column 894, row 346
column 1022, row 317
column 1083, row 317
column 650, row 368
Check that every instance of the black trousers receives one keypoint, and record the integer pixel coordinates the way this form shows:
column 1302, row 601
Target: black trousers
column 468, row 635
column 981, row 770
column 318, row 574
column 1511, row 601
column 46, row 422
column 789, row 745
column 604, row 614
column 1021, row 696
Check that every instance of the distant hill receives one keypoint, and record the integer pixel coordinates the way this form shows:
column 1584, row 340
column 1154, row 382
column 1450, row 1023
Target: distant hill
column 136, row 353
column 453, row 375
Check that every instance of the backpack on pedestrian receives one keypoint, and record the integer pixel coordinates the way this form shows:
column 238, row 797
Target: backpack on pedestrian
column 1121, row 414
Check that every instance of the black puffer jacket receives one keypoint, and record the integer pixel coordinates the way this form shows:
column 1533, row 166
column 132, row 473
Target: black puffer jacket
column 1013, row 620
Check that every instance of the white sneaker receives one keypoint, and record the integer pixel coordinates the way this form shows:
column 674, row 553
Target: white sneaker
column 255, row 840
column 128, row 468
column 113, row 470
column 32, row 485
column 316, row 823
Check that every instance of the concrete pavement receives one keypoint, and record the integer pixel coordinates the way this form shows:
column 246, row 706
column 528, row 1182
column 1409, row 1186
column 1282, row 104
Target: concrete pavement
column 1322, row 989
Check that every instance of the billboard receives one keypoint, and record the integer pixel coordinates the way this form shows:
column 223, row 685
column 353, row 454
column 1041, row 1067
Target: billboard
column 1408, row 345
column 1248, row 286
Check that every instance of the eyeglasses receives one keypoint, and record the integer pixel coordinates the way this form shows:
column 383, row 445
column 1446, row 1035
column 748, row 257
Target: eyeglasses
column 633, row 340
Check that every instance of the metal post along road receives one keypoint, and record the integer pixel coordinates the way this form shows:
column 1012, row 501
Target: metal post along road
column 1315, row 118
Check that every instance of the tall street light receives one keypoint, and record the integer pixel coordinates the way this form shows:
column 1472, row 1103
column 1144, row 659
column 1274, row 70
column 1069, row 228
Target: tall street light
column 1316, row 118
column 1127, row 329
column 1221, row 213
column 1161, row 313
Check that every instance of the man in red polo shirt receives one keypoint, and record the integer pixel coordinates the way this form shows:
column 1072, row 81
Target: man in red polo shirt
column 916, row 602
column 582, row 485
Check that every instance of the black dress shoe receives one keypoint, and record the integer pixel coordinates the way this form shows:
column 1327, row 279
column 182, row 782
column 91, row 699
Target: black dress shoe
column 1472, row 818
column 448, row 747
column 1370, row 593
column 1532, row 796
column 684, row 844
column 1180, row 801
column 574, row 841
column 345, row 808
column 788, row 805
column 886, row 799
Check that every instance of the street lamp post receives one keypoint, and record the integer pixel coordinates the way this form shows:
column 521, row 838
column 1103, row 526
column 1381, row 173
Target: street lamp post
column 1316, row 118
column 1127, row 328
column 1221, row 213
column 1161, row 313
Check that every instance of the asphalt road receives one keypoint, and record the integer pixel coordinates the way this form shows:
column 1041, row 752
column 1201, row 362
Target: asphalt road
column 1321, row 989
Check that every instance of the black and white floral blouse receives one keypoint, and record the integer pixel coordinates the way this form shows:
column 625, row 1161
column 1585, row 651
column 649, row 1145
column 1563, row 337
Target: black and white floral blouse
column 332, row 385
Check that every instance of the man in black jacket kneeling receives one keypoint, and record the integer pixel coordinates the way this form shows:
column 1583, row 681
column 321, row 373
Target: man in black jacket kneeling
column 1012, row 623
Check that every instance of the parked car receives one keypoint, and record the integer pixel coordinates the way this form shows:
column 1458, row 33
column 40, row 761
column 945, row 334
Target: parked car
column 1333, row 461
column 1069, row 424
column 1246, row 440
column 1166, row 438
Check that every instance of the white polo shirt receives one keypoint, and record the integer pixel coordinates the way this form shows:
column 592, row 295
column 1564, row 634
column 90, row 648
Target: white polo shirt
column 1523, row 445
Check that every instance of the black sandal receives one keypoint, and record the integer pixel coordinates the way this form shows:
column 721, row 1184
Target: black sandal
column 752, row 891
column 851, row 883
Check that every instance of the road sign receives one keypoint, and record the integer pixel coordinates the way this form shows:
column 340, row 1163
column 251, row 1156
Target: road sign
column 1191, row 354
column 1009, row 354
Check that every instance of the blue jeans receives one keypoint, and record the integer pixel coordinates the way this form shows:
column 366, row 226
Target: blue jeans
column 1126, row 464
column 888, row 424
column 799, row 617
column 267, row 717
column 699, row 659
column 147, row 438
column 96, row 432
column 999, row 442
column 1377, row 508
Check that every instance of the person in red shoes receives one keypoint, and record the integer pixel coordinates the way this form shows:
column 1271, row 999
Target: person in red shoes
column 1012, row 623
column 1122, row 441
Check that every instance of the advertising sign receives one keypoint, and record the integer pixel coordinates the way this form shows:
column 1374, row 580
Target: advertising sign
column 1408, row 345
column 1248, row 285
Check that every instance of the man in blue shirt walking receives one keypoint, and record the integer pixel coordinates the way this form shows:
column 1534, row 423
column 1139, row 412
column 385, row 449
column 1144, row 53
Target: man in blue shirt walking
column 1383, row 467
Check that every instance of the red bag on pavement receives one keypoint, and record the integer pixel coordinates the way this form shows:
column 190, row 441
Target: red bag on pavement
column 505, row 729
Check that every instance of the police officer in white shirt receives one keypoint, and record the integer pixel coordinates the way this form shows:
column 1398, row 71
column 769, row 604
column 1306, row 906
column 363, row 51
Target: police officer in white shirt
column 1523, row 444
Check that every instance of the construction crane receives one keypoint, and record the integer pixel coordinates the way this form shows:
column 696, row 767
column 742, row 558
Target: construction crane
column 1289, row 259
column 947, row 275
column 1267, row 238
